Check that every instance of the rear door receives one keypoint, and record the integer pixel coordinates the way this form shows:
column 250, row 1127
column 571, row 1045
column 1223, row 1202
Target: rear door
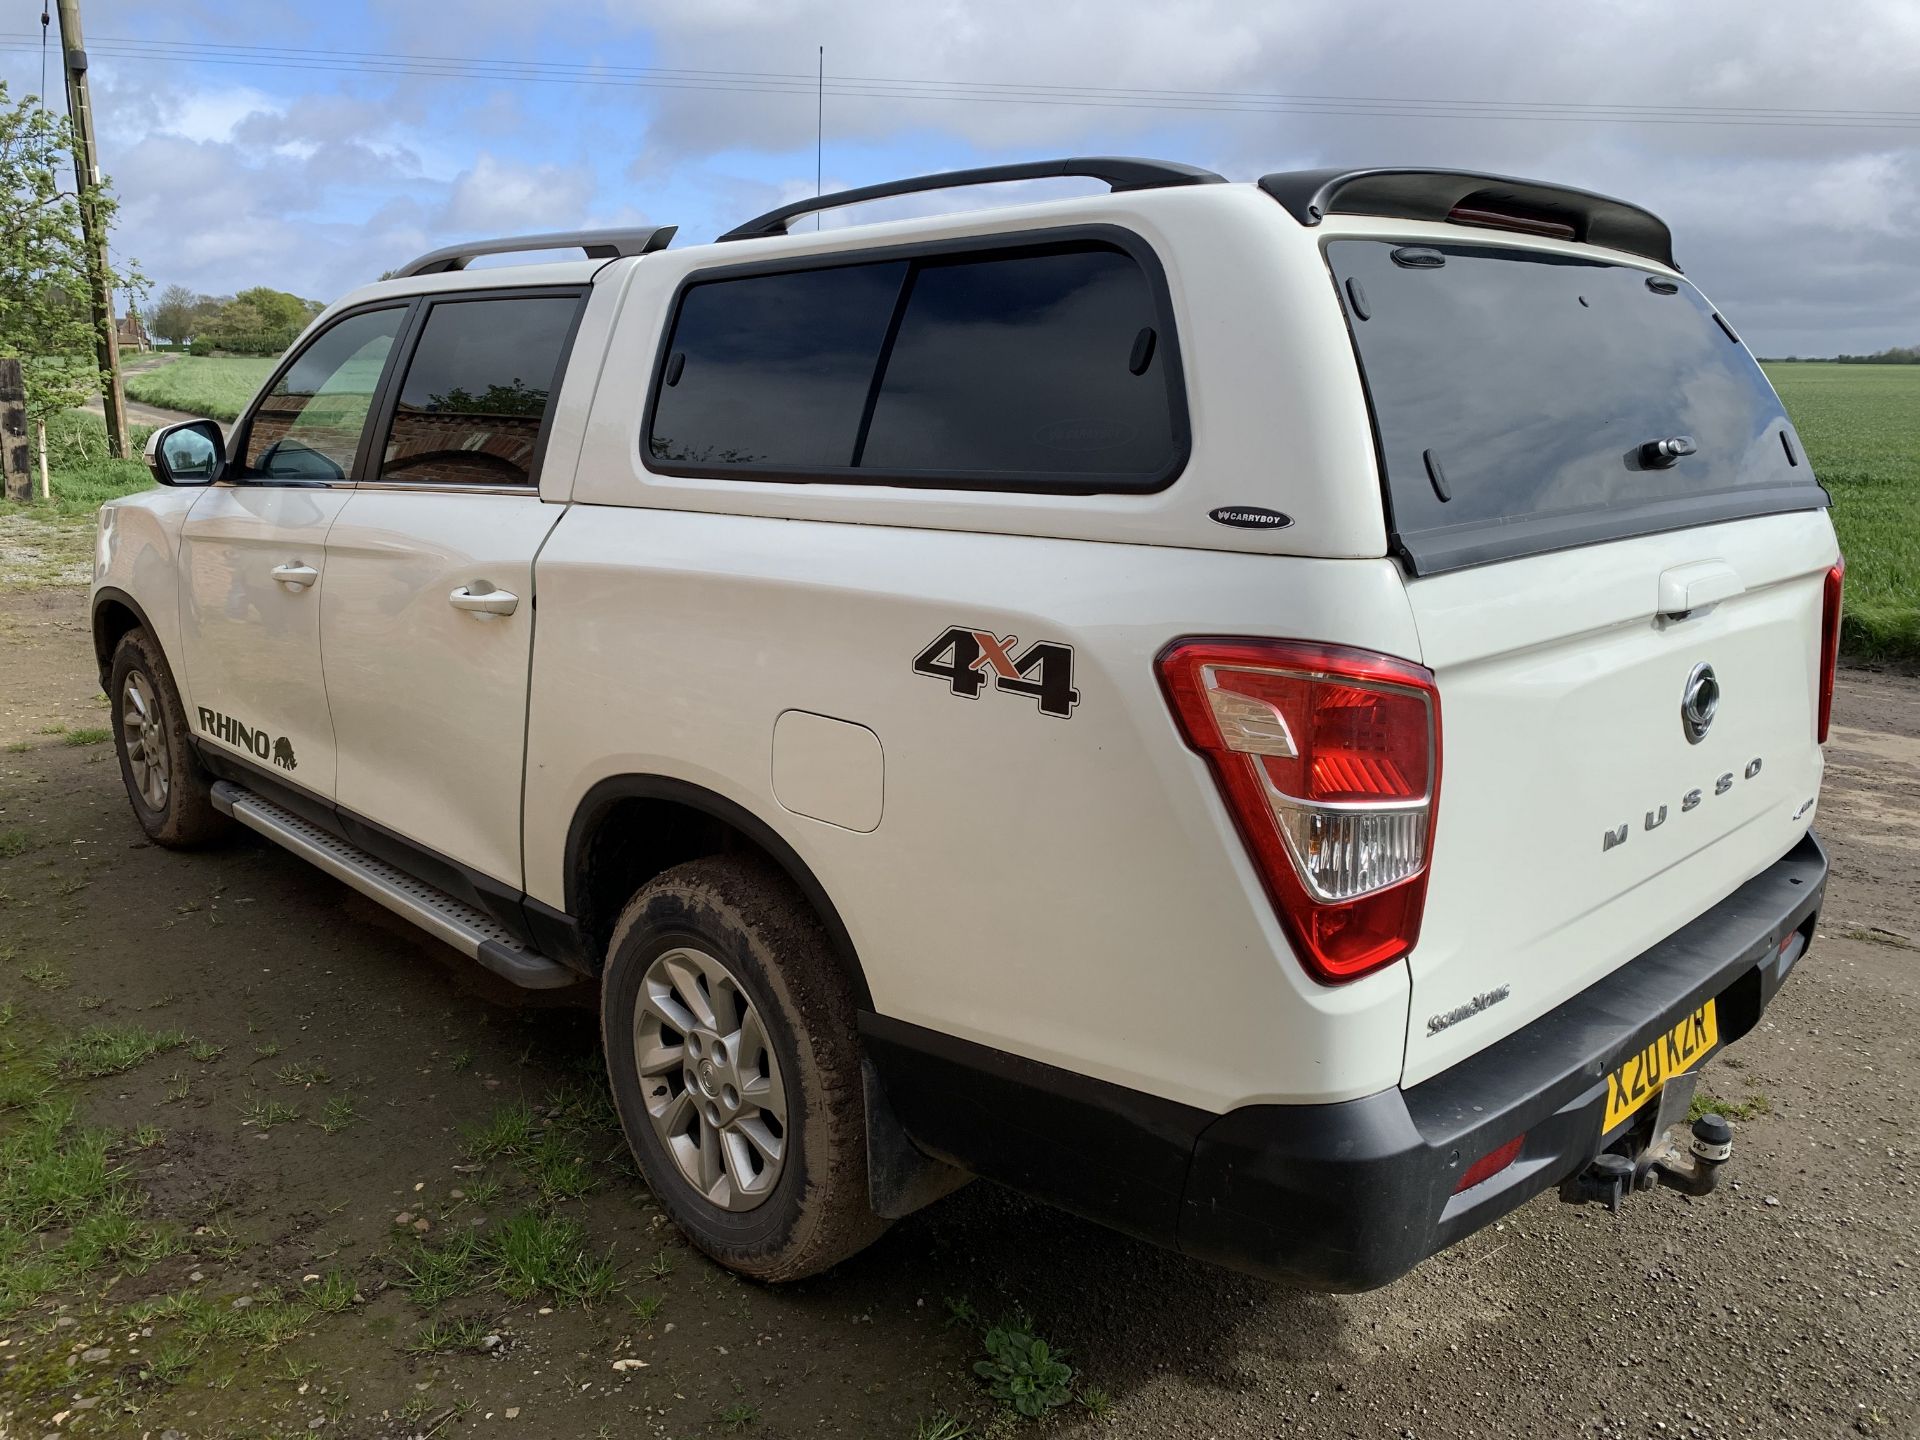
column 427, row 625
column 253, row 555
column 1619, row 558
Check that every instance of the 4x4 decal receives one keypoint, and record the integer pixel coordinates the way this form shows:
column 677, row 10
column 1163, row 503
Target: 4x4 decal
column 967, row 659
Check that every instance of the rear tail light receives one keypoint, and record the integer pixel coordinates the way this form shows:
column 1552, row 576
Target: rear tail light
column 1488, row 1166
column 1329, row 761
column 1830, row 644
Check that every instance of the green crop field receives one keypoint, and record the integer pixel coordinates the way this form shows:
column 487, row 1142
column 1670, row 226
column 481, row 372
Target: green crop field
column 216, row 387
column 1861, row 425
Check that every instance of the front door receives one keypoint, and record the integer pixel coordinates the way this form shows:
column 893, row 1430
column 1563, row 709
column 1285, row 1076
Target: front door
column 253, row 556
column 427, row 622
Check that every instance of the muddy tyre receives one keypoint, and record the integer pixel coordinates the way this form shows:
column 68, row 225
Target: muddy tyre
column 172, row 794
column 730, row 1043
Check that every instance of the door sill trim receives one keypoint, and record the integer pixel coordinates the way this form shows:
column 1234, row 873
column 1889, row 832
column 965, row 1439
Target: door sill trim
column 470, row 931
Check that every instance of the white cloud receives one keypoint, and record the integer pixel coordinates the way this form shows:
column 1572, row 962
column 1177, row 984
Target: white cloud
column 499, row 197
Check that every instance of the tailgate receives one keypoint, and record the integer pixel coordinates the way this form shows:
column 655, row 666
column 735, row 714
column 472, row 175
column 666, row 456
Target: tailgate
column 1606, row 515
column 1578, row 823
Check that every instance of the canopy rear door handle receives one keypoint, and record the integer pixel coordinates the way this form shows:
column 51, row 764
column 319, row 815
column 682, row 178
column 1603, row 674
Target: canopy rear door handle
column 1686, row 589
column 487, row 601
column 295, row 576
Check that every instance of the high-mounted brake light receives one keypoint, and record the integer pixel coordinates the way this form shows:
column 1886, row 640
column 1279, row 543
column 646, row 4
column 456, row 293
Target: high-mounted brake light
column 1829, row 644
column 1512, row 220
column 1329, row 761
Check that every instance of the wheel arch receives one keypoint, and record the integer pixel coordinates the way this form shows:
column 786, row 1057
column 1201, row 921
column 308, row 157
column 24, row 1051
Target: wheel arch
column 629, row 828
column 115, row 613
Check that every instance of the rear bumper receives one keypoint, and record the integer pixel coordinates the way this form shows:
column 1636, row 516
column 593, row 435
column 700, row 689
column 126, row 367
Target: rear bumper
column 1347, row 1196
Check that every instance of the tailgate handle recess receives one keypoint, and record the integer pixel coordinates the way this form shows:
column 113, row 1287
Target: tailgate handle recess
column 1696, row 588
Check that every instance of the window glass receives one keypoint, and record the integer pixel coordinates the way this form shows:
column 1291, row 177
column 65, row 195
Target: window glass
column 476, row 390
column 1026, row 365
column 308, row 426
column 1532, row 382
column 773, row 370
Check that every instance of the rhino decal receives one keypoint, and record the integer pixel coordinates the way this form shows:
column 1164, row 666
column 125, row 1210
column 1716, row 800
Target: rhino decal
column 283, row 754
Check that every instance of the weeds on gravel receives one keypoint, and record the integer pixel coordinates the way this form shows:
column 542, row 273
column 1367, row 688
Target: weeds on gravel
column 1746, row 1109
column 205, row 1051
column 535, row 1254
column 508, row 1131
column 14, row 843
column 435, row 1274
column 265, row 1114
column 303, row 1076
column 557, row 1169
column 45, row 975
column 109, row 1049
column 334, row 1292
column 738, row 1416
column 56, row 1175
column 85, row 735
column 443, row 1337
column 647, row 1307
column 1023, row 1372
column 941, row 1426
column 337, row 1114
column 531, row 1255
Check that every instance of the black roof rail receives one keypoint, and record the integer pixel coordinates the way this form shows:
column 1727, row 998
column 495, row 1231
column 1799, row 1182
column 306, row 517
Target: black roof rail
column 1119, row 171
column 598, row 245
column 1310, row 195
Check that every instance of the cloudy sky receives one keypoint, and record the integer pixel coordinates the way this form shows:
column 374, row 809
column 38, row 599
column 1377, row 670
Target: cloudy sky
column 313, row 143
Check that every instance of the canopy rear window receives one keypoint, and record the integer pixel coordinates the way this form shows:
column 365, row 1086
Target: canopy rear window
column 1515, row 393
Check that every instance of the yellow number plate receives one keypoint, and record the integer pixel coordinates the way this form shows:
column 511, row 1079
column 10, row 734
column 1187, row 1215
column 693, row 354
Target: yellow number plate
column 1674, row 1053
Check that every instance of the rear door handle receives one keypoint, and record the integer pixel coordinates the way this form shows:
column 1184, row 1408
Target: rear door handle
column 1699, row 586
column 485, row 601
column 295, row 576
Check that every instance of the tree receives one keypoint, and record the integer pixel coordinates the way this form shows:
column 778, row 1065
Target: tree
column 173, row 316
column 259, row 321
column 45, row 267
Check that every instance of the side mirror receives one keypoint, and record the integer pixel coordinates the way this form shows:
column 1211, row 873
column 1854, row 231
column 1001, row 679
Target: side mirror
column 190, row 453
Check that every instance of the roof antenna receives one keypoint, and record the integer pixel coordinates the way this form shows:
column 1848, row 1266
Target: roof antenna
column 819, row 128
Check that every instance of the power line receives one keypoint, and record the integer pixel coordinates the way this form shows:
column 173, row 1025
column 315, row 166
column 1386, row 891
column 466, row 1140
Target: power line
column 383, row 63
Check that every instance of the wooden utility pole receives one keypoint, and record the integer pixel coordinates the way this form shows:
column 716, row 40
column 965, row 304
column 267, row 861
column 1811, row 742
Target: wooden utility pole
column 86, row 170
column 14, row 460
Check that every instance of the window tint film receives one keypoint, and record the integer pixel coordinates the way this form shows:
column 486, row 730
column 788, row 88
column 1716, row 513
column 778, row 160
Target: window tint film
column 476, row 390
column 1042, row 367
column 1520, row 398
column 308, row 427
column 1031, row 365
column 773, row 370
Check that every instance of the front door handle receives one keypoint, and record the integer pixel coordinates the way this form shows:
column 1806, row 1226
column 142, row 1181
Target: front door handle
column 296, row 576
column 484, row 601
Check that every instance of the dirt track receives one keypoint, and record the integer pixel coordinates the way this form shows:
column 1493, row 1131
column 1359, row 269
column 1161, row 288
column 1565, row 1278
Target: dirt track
column 1787, row 1305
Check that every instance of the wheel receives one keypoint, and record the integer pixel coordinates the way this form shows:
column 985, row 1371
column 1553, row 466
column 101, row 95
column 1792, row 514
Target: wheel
column 172, row 794
column 730, row 1045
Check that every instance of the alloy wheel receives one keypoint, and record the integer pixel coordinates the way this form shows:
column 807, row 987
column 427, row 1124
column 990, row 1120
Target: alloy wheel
column 711, row 1081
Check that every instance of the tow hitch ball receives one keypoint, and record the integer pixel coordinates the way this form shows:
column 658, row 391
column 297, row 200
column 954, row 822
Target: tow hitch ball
column 1691, row 1166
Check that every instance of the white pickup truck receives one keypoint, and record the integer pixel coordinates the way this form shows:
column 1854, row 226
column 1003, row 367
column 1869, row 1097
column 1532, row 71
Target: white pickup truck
column 1285, row 718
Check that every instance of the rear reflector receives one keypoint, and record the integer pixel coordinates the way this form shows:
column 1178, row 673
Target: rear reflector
column 1329, row 762
column 1829, row 644
column 1488, row 1166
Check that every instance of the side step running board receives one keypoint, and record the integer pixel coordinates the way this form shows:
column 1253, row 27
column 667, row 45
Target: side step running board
column 472, row 932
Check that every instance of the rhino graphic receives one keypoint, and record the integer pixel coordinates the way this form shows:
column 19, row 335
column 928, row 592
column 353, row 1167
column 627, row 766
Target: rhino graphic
column 283, row 754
